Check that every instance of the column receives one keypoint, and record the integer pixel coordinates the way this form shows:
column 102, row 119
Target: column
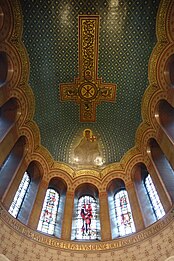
column 104, row 217
column 68, row 214
column 14, row 184
column 136, row 211
column 37, row 208
column 160, row 188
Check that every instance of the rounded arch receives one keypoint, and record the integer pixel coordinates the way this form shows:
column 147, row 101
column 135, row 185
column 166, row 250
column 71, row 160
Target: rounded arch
column 162, row 166
column 11, row 66
column 12, row 164
column 51, row 217
column 86, row 189
column 62, row 175
column 139, row 174
column 86, row 220
column 165, row 117
column 169, row 71
column 9, row 114
column 94, row 181
column 115, row 185
column 111, row 176
column 5, row 20
column 58, row 184
column 121, row 219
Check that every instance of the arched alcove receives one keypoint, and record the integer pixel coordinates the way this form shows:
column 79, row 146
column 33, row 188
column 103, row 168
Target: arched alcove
column 163, row 166
column 6, row 68
column 53, row 214
column 139, row 174
column 86, row 212
column 35, row 174
column 115, row 187
column 11, row 164
column 9, row 113
column 165, row 114
column 169, row 71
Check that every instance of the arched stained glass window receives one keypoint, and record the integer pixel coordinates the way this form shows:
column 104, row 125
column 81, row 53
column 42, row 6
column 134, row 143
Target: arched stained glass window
column 49, row 212
column 154, row 198
column 124, row 220
column 86, row 220
column 20, row 195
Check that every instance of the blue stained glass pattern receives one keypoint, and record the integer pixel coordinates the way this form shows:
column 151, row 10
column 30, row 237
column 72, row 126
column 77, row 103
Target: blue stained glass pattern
column 19, row 196
column 154, row 198
column 86, row 222
column 124, row 219
column 49, row 212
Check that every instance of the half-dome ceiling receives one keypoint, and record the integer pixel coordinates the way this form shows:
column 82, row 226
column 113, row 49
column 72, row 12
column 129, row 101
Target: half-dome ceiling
column 126, row 40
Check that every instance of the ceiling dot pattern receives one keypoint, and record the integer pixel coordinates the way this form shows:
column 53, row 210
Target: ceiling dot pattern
column 127, row 38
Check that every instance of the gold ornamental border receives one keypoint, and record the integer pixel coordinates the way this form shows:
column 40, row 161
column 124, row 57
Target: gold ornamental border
column 85, row 246
column 135, row 152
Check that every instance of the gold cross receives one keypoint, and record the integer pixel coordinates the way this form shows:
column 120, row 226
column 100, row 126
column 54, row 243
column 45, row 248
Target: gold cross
column 87, row 89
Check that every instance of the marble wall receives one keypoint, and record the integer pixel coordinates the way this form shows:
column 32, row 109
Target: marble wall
column 17, row 247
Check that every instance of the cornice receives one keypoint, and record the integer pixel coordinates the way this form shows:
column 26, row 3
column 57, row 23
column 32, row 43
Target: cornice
column 47, row 241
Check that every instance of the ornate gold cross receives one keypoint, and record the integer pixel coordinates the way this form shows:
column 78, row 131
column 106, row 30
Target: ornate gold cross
column 87, row 89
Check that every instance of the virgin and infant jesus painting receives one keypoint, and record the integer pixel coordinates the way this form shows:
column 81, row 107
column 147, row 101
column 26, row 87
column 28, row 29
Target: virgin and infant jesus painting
column 88, row 151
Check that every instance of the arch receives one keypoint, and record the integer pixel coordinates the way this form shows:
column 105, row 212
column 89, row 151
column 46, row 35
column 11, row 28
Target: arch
column 153, row 197
column 11, row 164
column 86, row 221
column 6, row 68
column 9, row 113
column 21, row 192
column 169, row 71
column 139, row 174
column 51, row 217
column 165, row 116
column 35, row 174
column 162, row 165
column 116, row 192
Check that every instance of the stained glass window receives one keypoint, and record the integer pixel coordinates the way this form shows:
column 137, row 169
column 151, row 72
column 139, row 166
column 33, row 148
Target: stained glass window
column 124, row 220
column 20, row 195
column 154, row 198
column 86, row 221
column 49, row 212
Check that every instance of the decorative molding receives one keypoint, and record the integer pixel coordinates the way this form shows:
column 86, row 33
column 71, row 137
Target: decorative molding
column 88, row 90
column 72, row 245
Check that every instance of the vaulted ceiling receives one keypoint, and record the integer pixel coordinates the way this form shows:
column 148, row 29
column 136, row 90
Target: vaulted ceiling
column 126, row 40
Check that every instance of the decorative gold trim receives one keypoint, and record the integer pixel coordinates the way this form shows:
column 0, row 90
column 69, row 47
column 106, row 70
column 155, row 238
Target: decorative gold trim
column 88, row 90
column 94, row 246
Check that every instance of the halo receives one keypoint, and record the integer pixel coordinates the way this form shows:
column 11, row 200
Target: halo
column 87, row 130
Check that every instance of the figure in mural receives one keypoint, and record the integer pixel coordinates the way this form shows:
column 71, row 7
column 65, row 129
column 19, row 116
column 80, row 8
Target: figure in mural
column 87, row 151
column 86, row 214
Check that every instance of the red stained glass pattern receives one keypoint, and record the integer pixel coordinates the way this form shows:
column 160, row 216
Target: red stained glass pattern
column 49, row 212
column 124, row 219
column 86, row 221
